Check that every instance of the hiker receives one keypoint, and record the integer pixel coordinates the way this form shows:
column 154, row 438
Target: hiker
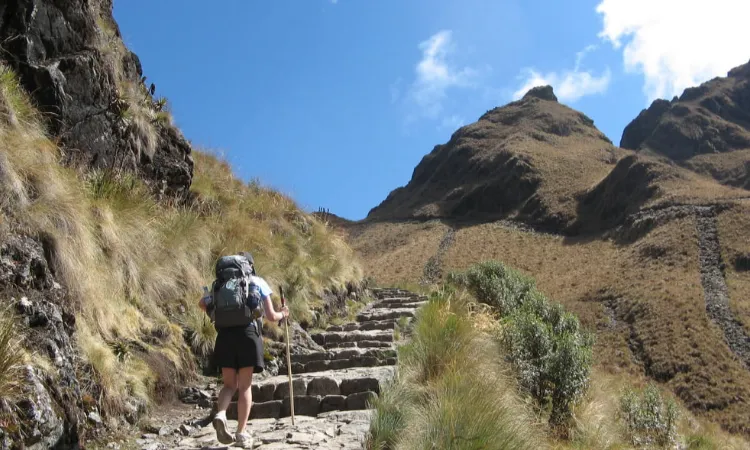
column 237, row 302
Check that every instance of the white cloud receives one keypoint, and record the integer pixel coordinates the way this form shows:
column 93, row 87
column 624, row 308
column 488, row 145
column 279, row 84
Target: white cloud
column 569, row 85
column 435, row 74
column 677, row 43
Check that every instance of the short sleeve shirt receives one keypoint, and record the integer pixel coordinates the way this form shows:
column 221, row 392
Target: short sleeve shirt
column 265, row 289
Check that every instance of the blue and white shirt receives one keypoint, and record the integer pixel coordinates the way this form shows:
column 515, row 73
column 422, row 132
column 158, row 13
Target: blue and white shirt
column 265, row 289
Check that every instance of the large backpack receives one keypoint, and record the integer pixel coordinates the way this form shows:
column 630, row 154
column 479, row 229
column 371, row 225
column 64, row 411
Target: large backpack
column 236, row 299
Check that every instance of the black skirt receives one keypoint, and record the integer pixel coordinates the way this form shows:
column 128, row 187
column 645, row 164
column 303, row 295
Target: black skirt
column 239, row 347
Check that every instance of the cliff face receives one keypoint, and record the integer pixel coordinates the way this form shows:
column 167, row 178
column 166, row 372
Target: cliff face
column 706, row 129
column 70, row 57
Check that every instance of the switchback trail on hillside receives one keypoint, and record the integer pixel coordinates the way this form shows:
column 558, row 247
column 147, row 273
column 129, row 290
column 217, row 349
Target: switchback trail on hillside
column 332, row 388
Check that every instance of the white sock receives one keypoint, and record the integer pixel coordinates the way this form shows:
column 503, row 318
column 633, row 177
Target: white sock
column 221, row 415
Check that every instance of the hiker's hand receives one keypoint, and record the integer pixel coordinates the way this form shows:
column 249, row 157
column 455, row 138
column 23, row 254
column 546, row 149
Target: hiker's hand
column 284, row 312
column 202, row 305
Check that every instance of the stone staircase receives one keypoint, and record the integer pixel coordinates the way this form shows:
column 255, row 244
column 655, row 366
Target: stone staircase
column 332, row 387
column 358, row 358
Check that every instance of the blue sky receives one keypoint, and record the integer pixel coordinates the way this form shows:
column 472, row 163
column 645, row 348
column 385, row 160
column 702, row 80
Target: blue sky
column 335, row 102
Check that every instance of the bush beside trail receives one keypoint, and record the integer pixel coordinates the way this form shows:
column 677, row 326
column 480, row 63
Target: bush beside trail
column 449, row 393
column 549, row 350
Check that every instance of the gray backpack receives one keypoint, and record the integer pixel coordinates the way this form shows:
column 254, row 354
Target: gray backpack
column 236, row 299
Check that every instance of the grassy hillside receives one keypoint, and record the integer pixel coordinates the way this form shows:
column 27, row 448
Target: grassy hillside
column 733, row 235
column 644, row 300
column 464, row 384
column 134, row 267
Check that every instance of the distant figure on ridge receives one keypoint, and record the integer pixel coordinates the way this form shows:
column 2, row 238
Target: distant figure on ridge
column 236, row 302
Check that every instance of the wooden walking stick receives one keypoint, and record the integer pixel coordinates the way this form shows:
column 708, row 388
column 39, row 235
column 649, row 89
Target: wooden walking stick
column 288, row 355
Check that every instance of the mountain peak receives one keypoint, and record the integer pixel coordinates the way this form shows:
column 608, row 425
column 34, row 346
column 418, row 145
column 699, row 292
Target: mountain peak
column 706, row 129
column 541, row 92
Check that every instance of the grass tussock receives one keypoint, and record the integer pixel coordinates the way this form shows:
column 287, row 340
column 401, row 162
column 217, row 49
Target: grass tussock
column 449, row 394
column 135, row 268
column 11, row 358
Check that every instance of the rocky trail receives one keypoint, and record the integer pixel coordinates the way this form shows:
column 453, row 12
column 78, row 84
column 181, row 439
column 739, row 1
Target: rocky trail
column 715, row 287
column 433, row 269
column 713, row 281
column 332, row 389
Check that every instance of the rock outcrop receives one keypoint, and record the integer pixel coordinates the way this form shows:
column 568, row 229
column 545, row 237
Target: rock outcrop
column 49, row 409
column 91, row 94
column 706, row 129
column 70, row 57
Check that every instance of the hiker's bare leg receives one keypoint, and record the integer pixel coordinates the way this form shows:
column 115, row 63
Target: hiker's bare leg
column 244, row 397
column 229, row 376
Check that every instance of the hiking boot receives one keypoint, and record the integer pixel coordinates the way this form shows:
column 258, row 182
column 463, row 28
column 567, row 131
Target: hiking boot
column 220, row 425
column 244, row 440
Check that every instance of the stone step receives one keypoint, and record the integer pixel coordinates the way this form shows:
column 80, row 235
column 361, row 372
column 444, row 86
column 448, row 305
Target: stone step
column 331, row 382
column 325, row 365
column 360, row 344
column 335, row 337
column 365, row 326
column 343, row 353
column 329, row 390
column 390, row 304
column 306, row 405
column 384, row 314
column 341, row 358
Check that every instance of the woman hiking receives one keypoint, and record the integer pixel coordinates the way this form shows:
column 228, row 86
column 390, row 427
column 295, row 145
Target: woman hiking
column 237, row 301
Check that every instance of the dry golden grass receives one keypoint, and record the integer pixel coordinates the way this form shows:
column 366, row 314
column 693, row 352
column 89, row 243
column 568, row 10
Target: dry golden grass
column 645, row 301
column 734, row 237
column 727, row 167
column 693, row 188
column 409, row 246
column 129, row 263
column 598, row 426
column 11, row 358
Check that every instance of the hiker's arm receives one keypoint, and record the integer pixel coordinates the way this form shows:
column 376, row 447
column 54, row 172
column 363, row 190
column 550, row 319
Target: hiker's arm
column 271, row 313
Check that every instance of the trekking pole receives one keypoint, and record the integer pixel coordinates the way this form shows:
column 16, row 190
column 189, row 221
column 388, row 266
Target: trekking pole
column 288, row 356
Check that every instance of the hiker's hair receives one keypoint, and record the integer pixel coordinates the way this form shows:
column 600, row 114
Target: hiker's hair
column 251, row 260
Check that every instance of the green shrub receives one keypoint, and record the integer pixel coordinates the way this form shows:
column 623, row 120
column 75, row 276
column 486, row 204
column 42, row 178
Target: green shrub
column 649, row 418
column 449, row 394
column 495, row 284
column 551, row 353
